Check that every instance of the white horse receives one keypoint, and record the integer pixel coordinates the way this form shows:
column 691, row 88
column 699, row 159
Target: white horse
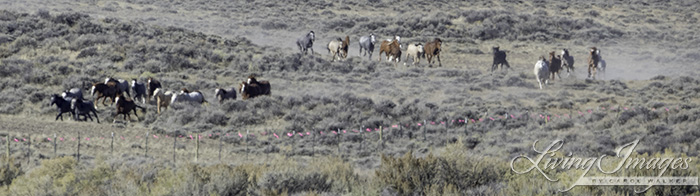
column 601, row 63
column 196, row 97
column 415, row 50
column 334, row 47
column 162, row 98
column 542, row 71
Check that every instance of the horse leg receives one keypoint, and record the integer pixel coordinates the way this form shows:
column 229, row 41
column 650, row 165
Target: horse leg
column 59, row 115
column 96, row 117
column 88, row 116
column 439, row 62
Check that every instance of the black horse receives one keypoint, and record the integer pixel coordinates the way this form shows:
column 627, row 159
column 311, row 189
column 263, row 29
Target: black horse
column 62, row 105
column 80, row 107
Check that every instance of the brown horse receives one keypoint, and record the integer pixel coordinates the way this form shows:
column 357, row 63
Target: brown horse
column 151, row 86
column 344, row 47
column 253, row 88
column 104, row 91
column 392, row 49
column 433, row 48
column 125, row 106
column 593, row 60
column 554, row 65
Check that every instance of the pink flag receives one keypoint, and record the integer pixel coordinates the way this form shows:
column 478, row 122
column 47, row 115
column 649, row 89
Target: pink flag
column 289, row 134
column 335, row 132
column 667, row 109
column 541, row 116
column 321, row 132
column 548, row 118
column 24, row 139
column 307, row 133
column 48, row 138
column 625, row 108
column 278, row 137
column 87, row 138
column 191, row 137
column 420, row 124
column 301, row 134
column 491, row 118
column 473, row 121
column 61, row 138
column 344, row 131
column 394, row 126
column 453, row 121
column 154, row 136
column 368, row 129
column 240, row 135
column 16, row 140
column 512, row 116
column 432, row 123
column 589, row 111
column 443, row 122
column 209, row 135
column 481, row 120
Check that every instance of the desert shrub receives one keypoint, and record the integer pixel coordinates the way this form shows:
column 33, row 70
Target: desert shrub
column 409, row 175
column 12, row 102
column 10, row 169
column 53, row 177
column 88, row 52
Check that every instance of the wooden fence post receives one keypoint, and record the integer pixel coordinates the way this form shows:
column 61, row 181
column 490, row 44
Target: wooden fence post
column 29, row 148
column 146, row 153
column 111, row 145
column 425, row 125
column 7, row 139
column 337, row 137
column 174, row 147
column 313, row 144
column 54, row 146
column 466, row 123
column 196, row 148
column 220, row 145
column 78, row 154
column 246, row 144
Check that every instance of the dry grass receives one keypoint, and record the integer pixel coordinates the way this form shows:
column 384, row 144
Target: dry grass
column 204, row 45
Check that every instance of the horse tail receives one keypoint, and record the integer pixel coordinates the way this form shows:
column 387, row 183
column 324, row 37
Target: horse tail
column 142, row 108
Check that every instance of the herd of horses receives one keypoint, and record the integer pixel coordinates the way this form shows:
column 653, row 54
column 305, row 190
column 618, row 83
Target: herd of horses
column 74, row 103
column 391, row 48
